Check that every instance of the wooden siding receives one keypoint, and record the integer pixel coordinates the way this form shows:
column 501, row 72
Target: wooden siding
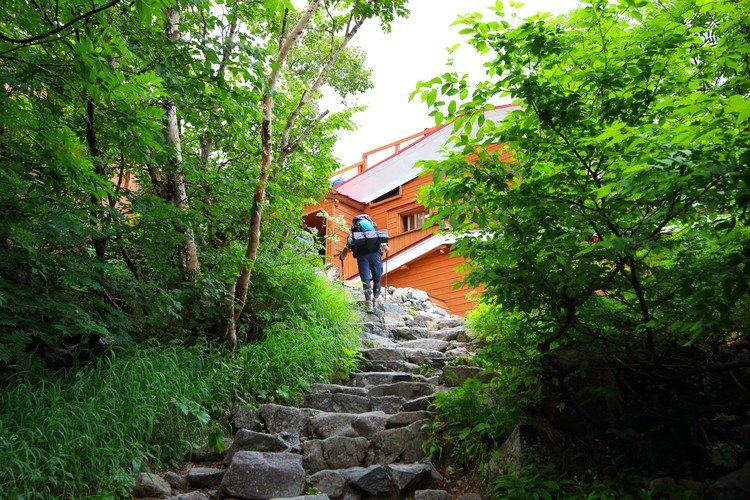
column 435, row 273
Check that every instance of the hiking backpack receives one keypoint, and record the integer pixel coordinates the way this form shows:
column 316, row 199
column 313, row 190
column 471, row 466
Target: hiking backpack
column 365, row 234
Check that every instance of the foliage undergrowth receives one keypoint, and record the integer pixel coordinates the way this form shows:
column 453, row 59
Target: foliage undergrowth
column 86, row 431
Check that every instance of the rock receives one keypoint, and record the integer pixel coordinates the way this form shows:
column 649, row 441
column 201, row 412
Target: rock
column 344, row 389
column 446, row 323
column 208, row 453
column 381, row 354
column 306, row 497
column 403, row 443
column 392, row 307
column 696, row 487
column 387, row 404
column 150, row 485
column 246, row 417
column 336, row 452
column 419, row 404
column 330, row 482
column 278, row 418
column 427, row 344
column 342, row 403
column 264, row 475
column 419, row 356
column 375, row 341
column 418, row 295
column 246, row 440
column 733, row 486
column 405, row 390
column 455, row 375
column 372, row 480
column 410, row 332
column 325, row 425
column 378, row 329
column 431, row 495
column 192, row 495
column 391, row 366
column 177, row 481
column 364, row 379
column 409, row 477
column 448, row 334
column 205, row 477
column 393, row 319
column 469, row 496
column 662, row 486
column 367, row 424
column 406, row 418
column 518, row 449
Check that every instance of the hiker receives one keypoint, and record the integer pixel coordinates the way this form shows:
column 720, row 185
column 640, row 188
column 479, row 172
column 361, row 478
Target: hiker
column 367, row 244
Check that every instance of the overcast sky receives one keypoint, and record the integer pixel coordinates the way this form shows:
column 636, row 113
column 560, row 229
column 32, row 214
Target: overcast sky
column 414, row 51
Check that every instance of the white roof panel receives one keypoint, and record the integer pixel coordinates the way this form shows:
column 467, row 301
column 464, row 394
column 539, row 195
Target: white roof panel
column 400, row 168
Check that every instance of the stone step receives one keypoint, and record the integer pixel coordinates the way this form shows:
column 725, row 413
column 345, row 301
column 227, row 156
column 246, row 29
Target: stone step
column 336, row 402
column 264, row 475
column 335, row 388
column 410, row 333
column 391, row 366
column 365, row 379
column 247, row 440
column 419, row 356
column 428, row 344
column 394, row 480
column 384, row 354
column 449, row 334
column 328, row 424
column 335, row 452
column 405, row 390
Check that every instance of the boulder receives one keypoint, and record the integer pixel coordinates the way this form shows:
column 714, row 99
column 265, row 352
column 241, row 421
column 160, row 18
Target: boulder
column 427, row 344
column 419, row 404
column 391, row 366
column 344, row 389
column 376, row 341
column 522, row 446
column 419, row 356
column 246, row 440
column 326, row 424
column 405, row 390
column 387, row 404
column 733, row 486
column 367, row 424
column 364, row 379
column 329, row 482
column 177, row 480
column 452, row 322
column 410, row 332
column 336, row 402
column 371, row 480
column 150, row 485
column 379, row 329
column 336, row 452
column 258, row 475
column 403, row 444
column 192, row 495
column 431, row 495
column 246, row 417
column 382, row 354
column 406, row 418
column 455, row 375
column 447, row 334
column 409, row 477
column 278, row 418
column 205, row 477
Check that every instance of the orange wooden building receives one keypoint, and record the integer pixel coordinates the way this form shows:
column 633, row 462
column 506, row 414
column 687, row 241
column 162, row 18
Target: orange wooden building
column 387, row 191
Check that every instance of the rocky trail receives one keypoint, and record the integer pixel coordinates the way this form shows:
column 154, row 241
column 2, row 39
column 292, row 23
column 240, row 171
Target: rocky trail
column 360, row 440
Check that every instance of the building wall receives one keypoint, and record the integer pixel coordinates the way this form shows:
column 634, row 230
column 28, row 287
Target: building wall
column 435, row 273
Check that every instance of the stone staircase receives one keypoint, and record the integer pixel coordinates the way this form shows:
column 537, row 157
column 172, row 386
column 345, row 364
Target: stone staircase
column 360, row 440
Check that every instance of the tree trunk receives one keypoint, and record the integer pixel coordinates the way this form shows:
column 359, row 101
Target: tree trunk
column 259, row 196
column 189, row 250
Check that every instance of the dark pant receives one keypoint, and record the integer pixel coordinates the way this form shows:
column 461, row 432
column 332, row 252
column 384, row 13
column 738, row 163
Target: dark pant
column 370, row 268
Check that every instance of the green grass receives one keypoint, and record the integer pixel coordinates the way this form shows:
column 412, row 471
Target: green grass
column 87, row 433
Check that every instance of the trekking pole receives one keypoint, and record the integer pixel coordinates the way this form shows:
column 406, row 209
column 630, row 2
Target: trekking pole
column 385, row 295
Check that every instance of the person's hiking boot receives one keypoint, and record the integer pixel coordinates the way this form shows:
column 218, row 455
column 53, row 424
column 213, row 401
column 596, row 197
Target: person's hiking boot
column 369, row 306
column 374, row 306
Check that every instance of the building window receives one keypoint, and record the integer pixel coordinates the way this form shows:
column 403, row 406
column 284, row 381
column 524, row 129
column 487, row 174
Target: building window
column 412, row 222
